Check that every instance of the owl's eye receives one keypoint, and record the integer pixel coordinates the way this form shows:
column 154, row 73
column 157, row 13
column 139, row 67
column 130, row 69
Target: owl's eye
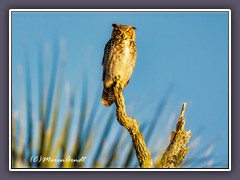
column 129, row 31
column 118, row 32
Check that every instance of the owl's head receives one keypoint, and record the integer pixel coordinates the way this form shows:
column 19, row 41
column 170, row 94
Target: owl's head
column 123, row 32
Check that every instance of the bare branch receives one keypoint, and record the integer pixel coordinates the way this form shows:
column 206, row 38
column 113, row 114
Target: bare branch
column 131, row 124
column 176, row 150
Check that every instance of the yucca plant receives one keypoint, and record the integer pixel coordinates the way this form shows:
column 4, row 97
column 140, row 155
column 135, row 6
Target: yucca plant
column 74, row 127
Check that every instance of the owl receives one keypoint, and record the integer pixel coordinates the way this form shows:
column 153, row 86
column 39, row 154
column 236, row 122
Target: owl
column 118, row 61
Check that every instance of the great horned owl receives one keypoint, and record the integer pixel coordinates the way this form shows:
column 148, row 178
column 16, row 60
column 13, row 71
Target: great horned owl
column 118, row 61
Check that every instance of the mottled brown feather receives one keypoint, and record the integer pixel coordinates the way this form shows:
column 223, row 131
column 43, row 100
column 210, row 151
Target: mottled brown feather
column 118, row 61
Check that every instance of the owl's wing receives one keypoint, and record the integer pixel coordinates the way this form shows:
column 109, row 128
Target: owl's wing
column 106, row 55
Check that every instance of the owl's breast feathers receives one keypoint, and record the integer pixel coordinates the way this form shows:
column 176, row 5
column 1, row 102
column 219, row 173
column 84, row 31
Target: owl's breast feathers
column 118, row 64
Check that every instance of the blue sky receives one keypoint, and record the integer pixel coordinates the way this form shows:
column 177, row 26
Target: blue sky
column 187, row 51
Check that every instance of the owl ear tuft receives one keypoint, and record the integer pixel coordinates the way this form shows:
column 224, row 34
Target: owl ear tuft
column 114, row 25
column 134, row 28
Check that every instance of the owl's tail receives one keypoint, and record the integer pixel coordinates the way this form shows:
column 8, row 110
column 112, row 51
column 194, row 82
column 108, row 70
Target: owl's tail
column 108, row 97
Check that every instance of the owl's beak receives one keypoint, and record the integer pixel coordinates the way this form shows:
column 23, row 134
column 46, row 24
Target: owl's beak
column 124, row 36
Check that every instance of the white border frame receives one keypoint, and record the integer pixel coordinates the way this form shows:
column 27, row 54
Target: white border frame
column 119, row 10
